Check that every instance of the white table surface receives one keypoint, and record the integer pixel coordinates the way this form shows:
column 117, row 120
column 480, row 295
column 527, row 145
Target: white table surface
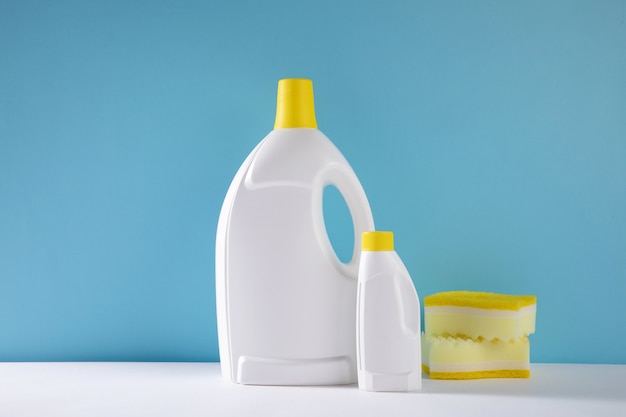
column 196, row 389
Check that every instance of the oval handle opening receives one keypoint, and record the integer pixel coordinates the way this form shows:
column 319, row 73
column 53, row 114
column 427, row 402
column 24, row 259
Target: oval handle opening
column 338, row 222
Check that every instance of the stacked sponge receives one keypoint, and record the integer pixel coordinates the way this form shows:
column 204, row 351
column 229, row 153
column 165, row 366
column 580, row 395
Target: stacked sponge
column 472, row 335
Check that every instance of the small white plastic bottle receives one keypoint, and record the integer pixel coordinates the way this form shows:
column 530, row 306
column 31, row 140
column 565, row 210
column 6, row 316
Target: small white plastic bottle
column 286, row 304
column 388, row 319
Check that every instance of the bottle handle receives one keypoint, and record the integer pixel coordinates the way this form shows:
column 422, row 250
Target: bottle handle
column 362, row 221
column 410, row 311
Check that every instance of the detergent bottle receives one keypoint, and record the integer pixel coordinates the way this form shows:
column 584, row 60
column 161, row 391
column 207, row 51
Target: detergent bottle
column 388, row 319
column 286, row 304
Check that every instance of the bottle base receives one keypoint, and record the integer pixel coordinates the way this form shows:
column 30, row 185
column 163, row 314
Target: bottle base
column 272, row 371
column 390, row 382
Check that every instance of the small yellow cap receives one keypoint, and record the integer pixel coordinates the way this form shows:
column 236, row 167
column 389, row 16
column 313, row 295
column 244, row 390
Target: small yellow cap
column 377, row 241
column 294, row 104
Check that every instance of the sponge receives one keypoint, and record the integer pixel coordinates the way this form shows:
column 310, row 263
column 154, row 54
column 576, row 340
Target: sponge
column 464, row 358
column 480, row 314
column 471, row 335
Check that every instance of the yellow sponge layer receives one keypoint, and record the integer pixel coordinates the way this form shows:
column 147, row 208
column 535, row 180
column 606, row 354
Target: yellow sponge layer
column 477, row 374
column 486, row 300
column 480, row 315
column 463, row 358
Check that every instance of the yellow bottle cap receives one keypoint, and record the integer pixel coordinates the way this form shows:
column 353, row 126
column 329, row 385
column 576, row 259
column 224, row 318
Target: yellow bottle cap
column 377, row 241
column 294, row 104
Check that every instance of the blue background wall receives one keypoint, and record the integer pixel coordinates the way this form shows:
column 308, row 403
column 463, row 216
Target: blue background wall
column 490, row 136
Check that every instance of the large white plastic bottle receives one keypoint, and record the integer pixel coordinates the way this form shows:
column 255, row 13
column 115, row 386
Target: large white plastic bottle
column 286, row 304
column 388, row 319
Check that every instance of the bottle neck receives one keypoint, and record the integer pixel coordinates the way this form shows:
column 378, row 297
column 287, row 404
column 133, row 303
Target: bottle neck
column 295, row 107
